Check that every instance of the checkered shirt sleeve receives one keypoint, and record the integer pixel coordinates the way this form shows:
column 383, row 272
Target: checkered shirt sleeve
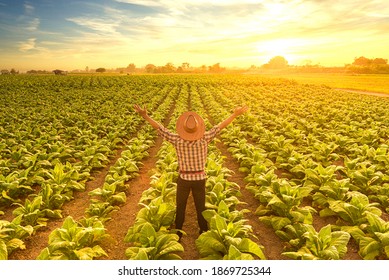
column 167, row 135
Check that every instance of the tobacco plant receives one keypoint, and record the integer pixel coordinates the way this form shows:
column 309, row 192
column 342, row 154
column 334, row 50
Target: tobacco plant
column 323, row 245
column 158, row 213
column 152, row 245
column 31, row 213
column 101, row 210
column 108, row 193
column 354, row 209
column 220, row 189
column 75, row 242
column 12, row 235
column 215, row 243
column 372, row 237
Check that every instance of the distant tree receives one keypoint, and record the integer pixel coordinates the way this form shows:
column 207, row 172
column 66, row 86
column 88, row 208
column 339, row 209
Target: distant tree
column 185, row 65
column 362, row 61
column 150, row 68
column 380, row 61
column 169, row 67
column 277, row 62
column 14, row 72
column 216, row 68
column 100, row 70
column 60, row 72
column 365, row 65
column 131, row 68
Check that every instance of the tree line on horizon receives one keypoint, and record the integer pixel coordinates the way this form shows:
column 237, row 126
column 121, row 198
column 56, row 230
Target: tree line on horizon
column 360, row 65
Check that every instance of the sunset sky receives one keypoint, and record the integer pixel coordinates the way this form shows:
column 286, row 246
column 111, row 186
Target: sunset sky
column 73, row 34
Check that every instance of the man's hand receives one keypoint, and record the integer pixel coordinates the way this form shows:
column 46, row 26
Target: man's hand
column 140, row 111
column 240, row 110
column 143, row 113
column 237, row 111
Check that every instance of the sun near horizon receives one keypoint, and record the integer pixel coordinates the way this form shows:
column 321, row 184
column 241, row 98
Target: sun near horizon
column 78, row 34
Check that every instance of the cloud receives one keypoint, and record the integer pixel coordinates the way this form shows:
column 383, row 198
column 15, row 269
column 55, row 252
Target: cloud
column 27, row 45
column 190, row 3
column 97, row 24
column 229, row 29
column 201, row 32
column 33, row 25
column 149, row 3
column 28, row 8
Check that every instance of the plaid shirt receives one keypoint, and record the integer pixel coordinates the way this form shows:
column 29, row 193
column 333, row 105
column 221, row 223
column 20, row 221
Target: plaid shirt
column 192, row 155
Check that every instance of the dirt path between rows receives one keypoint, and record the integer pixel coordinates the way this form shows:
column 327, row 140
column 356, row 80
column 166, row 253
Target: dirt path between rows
column 380, row 94
column 123, row 219
column 273, row 246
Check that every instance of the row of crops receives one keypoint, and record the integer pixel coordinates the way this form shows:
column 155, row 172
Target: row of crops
column 307, row 152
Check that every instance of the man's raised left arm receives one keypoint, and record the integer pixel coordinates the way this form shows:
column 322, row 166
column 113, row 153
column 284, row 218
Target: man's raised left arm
column 237, row 112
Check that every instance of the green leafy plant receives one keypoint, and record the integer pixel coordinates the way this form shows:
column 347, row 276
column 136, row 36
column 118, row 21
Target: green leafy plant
column 320, row 176
column 225, row 212
column 12, row 235
column 101, row 210
column 325, row 153
column 158, row 213
column 215, row 167
column 31, row 213
column 365, row 176
column 109, row 194
column 380, row 194
column 125, row 167
column 334, row 190
column 215, row 243
column 13, row 185
column 53, row 200
column 260, row 176
column 92, row 158
column 322, row 245
column 289, row 231
column 75, row 242
column 67, row 177
column 354, row 210
column 280, row 197
column 220, row 189
column 152, row 245
column 161, row 186
column 372, row 237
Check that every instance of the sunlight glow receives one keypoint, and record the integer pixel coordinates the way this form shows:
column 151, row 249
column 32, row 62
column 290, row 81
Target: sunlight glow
column 73, row 34
column 288, row 48
column 275, row 9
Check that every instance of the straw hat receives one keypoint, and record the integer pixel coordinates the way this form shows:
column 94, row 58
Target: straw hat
column 190, row 126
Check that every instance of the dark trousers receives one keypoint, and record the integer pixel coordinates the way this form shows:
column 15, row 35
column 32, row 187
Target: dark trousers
column 198, row 191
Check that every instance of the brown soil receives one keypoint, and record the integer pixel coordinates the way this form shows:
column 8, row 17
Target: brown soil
column 123, row 219
column 273, row 246
column 380, row 94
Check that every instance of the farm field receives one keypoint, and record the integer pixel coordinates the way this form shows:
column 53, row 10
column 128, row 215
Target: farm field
column 303, row 175
column 363, row 82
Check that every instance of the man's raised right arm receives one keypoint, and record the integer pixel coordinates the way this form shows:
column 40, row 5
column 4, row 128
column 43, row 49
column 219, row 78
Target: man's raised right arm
column 143, row 113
